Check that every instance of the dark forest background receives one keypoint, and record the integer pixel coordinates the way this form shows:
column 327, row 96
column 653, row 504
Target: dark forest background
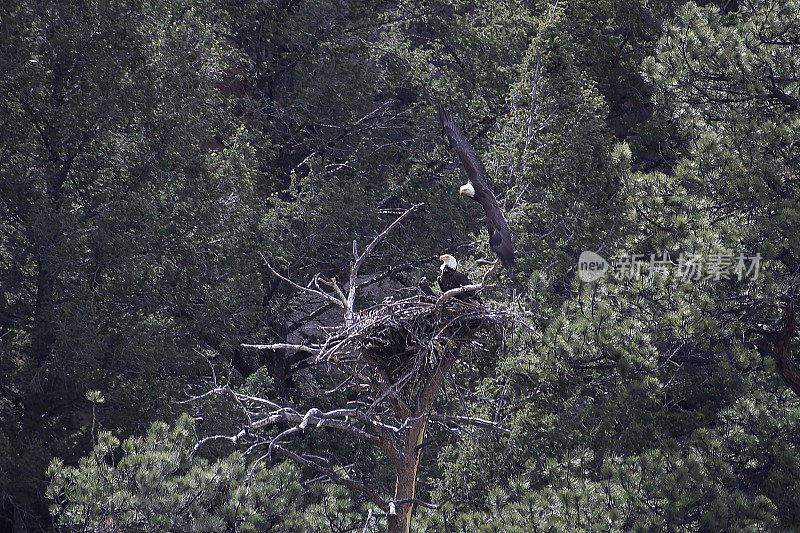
column 153, row 149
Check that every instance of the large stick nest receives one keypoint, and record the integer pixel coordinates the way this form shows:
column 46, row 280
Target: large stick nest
column 400, row 334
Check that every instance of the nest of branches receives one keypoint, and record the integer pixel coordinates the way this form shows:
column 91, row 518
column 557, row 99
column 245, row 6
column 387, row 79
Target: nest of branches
column 411, row 334
column 398, row 338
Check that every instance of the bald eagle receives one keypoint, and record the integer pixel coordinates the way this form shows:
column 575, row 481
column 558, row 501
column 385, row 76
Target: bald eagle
column 476, row 188
column 451, row 278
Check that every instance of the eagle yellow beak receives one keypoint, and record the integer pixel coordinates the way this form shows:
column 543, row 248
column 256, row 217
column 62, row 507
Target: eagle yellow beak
column 441, row 258
column 460, row 192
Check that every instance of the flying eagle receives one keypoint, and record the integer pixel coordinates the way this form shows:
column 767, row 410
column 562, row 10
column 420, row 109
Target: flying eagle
column 476, row 188
column 450, row 278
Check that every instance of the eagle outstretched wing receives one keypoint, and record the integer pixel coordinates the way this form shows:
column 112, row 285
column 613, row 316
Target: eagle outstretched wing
column 499, row 234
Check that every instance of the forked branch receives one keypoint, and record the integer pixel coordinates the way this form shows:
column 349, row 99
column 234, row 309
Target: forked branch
column 337, row 295
column 359, row 260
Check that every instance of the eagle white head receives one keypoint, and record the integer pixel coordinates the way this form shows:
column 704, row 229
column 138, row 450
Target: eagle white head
column 448, row 261
column 467, row 189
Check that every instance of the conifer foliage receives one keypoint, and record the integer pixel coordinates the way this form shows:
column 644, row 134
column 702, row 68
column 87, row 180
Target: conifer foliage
column 181, row 181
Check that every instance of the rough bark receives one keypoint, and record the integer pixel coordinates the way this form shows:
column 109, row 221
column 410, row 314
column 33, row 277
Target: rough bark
column 401, row 508
column 781, row 350
column 777, row 345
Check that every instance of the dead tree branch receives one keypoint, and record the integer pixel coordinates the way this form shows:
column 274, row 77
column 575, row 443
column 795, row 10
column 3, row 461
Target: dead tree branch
column 359, row 260
column 394, row 358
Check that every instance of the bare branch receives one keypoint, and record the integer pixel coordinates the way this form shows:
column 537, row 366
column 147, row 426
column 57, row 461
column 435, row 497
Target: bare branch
column 274, row 442
column 469, row 420
column 359, row 259
column 311, row 412
column 320, row 419
column 396, row 355
column 332, row 284
column 315, row 292
column 369, row 519
column 415, row 501
column 234, row 439
column 336, row 478
column 248, row 398
column 452, row 293
column 284, row 346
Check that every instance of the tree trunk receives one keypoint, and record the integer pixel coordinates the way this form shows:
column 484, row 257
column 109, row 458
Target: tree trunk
column 405, row 489
column 777, row 345
column 787, row 368
column 47, row 237
column 401, row 508
column 42, row 334
column 47, row 233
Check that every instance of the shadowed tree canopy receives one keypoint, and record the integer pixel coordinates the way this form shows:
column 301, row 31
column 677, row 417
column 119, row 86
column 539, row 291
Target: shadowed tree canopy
column 181, row 181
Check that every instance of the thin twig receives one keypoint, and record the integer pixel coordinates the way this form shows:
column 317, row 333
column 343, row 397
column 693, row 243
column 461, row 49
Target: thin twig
column 319, row 293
